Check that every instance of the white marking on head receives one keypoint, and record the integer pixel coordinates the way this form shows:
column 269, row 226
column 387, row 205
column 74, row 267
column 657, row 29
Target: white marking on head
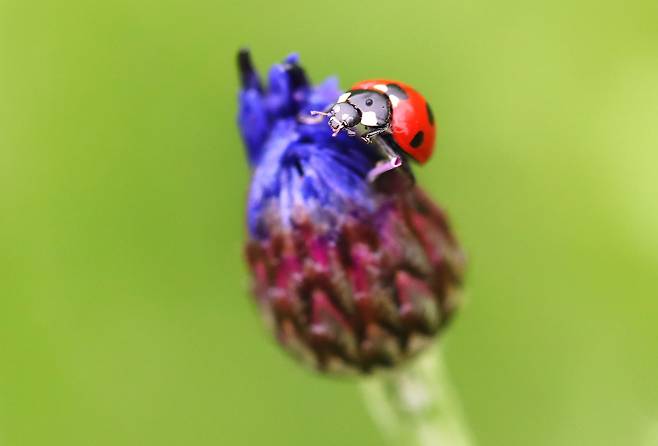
column 394, row 100
column 335, row 109
column 369, row 119
column 343, row 97
column 381, row 87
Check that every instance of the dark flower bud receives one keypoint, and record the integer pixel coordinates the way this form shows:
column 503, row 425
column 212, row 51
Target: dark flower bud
column 350, row 275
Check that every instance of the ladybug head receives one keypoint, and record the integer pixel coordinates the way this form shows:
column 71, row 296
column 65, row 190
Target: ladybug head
column 343, row 115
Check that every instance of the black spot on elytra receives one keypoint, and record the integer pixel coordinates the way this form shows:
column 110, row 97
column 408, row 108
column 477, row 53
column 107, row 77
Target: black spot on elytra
column 396, row 90
column 417, row 140
column 430, row 115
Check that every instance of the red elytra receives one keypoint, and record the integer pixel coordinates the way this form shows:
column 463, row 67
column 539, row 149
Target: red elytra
column 412, row 123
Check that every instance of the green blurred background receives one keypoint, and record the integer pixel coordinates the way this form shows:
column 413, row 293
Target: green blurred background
column 124, row 315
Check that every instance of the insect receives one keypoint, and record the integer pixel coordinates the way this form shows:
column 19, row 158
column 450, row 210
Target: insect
column 390, row 114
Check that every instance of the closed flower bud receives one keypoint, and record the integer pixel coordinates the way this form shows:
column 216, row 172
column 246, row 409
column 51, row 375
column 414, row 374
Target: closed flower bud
column 350, row 275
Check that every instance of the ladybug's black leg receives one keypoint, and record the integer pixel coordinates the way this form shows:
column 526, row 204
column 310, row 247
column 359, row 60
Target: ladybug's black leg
column 392, row 161
column 406, row 166
column 383, row 167
column 368, row 136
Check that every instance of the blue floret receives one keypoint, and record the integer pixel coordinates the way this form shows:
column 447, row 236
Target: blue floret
column 297, row 165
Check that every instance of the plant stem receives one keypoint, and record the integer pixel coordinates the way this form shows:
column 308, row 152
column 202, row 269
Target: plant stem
column 416, row 405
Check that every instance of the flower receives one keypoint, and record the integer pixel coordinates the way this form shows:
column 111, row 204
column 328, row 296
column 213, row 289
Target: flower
column 350, row 275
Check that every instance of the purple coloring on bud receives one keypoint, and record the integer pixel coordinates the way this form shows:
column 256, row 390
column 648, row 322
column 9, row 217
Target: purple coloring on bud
column 350, row 275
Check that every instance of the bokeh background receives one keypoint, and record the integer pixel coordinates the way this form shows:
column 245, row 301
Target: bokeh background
column 124, row 312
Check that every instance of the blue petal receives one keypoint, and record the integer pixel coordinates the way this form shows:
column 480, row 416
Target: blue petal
column 254, row 123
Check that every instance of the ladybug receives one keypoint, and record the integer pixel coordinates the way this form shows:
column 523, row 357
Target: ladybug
column 390, row 114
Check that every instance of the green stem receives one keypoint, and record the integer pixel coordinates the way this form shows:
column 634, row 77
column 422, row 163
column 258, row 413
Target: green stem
column 416, row 405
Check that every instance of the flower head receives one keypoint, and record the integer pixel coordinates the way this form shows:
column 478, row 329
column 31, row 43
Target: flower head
column 350, row 275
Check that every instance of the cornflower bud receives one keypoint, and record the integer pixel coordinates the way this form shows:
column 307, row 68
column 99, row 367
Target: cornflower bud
column 350, row 275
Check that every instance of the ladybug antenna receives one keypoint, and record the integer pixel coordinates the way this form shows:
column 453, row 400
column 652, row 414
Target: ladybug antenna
column 318, row 117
